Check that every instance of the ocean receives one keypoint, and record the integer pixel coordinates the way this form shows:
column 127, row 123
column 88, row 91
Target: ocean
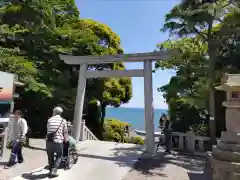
column 133, row 116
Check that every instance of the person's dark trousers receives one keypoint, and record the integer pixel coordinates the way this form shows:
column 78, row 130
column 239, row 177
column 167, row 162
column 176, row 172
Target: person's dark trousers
column 168, row 140
column 19, row 153
column 54, row 153
column 16, row 154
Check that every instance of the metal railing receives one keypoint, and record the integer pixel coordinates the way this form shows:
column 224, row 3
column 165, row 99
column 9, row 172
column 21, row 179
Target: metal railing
column 86, row 134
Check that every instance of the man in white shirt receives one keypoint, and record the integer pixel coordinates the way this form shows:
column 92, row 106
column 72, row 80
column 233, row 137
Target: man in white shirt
column 57, row 133
column 18, row 129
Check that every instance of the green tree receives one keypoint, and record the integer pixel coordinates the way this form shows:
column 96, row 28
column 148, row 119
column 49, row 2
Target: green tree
column 32, row 28
column 187, row 91
column 198, row 18
column 110, row 91
column 33, row 33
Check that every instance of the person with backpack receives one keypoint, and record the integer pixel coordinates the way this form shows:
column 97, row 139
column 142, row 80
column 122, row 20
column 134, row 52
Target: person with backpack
column 57, row 133
column 18, row 129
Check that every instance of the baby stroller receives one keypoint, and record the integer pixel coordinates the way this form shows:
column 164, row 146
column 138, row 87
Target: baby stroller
column 70, row 156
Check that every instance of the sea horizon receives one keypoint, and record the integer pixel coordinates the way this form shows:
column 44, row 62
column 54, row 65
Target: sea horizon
column 136, row 108
column 133, row 115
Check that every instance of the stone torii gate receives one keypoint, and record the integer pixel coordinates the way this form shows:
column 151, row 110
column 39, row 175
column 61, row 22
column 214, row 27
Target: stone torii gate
column 146, row 72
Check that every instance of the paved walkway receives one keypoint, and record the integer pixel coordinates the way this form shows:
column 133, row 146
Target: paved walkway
column 35, row 157
column 168, row 167
column 98, row 160
column 108, row 161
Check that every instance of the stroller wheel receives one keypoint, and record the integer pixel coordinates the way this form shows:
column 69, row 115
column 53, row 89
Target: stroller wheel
column 75, row 160
column 70, row 162
column 69, row 166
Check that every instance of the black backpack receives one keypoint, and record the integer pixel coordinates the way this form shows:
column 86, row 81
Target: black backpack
column 29, row 132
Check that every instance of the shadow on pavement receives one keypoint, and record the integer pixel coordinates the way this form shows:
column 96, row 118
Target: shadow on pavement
column 32, row 176
column 147, row 167
column 195, row 176
column 3, row 163
column 190, row 163
column 154, row 166
column 36, row 174
column 165, row 165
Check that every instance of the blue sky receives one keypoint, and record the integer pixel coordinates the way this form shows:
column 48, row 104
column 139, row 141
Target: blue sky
column 138, row 24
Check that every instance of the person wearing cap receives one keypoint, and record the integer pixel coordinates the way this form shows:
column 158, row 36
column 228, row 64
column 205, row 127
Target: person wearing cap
column 57, row 133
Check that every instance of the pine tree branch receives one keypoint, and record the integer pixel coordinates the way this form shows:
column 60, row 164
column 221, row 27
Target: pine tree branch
column 200, row 33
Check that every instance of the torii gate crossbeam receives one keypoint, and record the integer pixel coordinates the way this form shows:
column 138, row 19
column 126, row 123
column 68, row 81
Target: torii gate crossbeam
column 146, row 58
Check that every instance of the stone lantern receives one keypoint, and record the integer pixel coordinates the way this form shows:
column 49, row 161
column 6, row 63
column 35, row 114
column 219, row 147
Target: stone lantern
column 225, row 158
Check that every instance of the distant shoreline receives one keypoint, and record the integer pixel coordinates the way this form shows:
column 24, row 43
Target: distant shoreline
column 110, row 107
column 132, row 133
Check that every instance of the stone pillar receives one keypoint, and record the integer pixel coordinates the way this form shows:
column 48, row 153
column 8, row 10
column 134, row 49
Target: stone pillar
column 148, row 109
column 79, row 102
column 181, row 146
column 190, row 142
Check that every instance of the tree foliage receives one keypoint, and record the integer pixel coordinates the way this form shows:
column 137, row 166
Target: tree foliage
column 208, row 48
column 188, row 90
column 32, row 34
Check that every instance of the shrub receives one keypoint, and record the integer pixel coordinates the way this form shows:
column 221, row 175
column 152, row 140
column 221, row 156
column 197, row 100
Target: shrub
column 135, row 140
column 115, row 130
column 199, row 129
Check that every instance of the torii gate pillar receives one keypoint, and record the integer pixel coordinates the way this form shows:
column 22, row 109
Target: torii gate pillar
column 78, row 111
column 148, row 108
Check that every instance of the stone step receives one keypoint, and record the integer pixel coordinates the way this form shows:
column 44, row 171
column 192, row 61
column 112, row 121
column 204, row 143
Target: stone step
column 228, row 146
column 225, row 155
column 219, row 165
